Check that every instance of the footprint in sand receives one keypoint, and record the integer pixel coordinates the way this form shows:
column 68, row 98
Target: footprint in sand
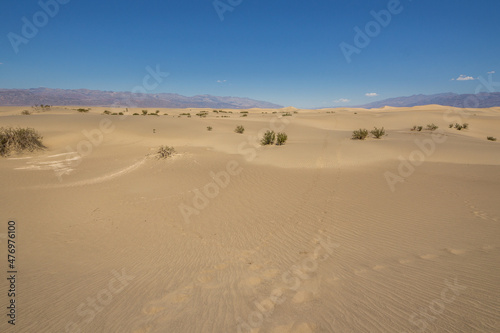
column 455, row 251
column 428, row 256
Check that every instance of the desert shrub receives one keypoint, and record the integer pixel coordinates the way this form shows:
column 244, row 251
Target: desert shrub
column 360, row 134
column 239, row 129
column 120, row 113
column 209, row 128
column 419, row 128
column 106, row 112
column 243, row 111
column 136, row 114
column 281, row 138
column 157, row 112
column 413, row 128
column 165, row 114
column 25, row 113
column 287, row 114
column 41, row 107
column 185, row 114
column 465, row 125
column 153, row 114
column 268, row 138
column 165, row 151
column 144, row 112
column 450, row 125
column 432, row 127
column 82, row 110
column 215, row 111
column 244, row 115
column 378, row 132
column 491, row 138
column 19, row 140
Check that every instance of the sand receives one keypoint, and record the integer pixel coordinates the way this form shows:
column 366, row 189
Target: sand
column 228, row 236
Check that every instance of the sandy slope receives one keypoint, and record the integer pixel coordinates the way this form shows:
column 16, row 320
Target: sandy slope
column 307, row 237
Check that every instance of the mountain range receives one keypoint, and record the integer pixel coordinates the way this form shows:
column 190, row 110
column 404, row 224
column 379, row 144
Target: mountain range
column 35, row 96
column 481, row 100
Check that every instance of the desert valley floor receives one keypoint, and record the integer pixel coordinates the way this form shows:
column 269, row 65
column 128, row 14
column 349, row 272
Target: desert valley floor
column 322, row 234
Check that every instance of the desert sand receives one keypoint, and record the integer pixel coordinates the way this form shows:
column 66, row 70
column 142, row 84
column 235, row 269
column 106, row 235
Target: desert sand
column 322, row 234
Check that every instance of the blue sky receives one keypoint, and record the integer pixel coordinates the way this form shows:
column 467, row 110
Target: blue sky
column 286, row 52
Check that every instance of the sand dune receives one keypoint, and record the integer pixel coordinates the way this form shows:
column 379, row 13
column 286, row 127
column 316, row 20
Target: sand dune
column 229, row 236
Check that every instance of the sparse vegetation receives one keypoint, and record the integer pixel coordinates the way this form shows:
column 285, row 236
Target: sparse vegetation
column 239, row 129
column 82, row 110
column 287, row 114
column 419, row 128
column 378, row 132
column 209, row 128
column 144, row 112
column 136, row 114
column 360, row 134
column 465, row 125
column 41, row 108
column 450, row 125
column 106, row 112
column 281, row 138
column 25, row 113
column 491, row 138
column 268, row 138
column 120, row 113
column 244, row 115
column 432, row 127
column 165, row 152
column 19, row 140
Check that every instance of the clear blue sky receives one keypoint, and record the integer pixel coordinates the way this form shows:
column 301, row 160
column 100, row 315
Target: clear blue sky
column 286, row 52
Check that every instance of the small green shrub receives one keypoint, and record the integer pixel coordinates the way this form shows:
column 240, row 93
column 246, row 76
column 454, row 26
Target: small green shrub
column 450, row 125
column 136, row 114
column 419, row 128
column 414, row 128
column 491, row 138
column 243, row 111
column 465, row 125
column 106, row 112
column 19, row 140
column 432, row 127
column 165, row 152
column 120, row 113
column 239, row 129
column 268, row 138
column 209, row 128
column 244, row 115
column 287, row 114
column 83, row 110
column 144, row 112
column 25, row 113
column 378, row 132
column 360, row 134
column 281, row 138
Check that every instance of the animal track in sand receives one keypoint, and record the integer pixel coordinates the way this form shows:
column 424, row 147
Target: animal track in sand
column 480, row 213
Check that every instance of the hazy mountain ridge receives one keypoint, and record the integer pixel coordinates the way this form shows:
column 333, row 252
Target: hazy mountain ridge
column 20, row 97
column 481, row 100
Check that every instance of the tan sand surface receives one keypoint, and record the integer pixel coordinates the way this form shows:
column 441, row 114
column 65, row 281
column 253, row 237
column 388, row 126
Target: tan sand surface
column 305, row 237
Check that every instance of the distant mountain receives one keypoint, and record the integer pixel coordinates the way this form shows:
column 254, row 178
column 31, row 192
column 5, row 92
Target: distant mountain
column 84, row 97
column 481, row 100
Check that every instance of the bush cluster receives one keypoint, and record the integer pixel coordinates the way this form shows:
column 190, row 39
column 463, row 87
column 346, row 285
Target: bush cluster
column 19, row 140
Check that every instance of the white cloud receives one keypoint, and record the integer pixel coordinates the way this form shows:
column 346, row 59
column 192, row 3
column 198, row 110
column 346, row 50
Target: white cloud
column 341, row 100
column 464, row 78
column 371, row 94
column 221, row 81
column 492, row 72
